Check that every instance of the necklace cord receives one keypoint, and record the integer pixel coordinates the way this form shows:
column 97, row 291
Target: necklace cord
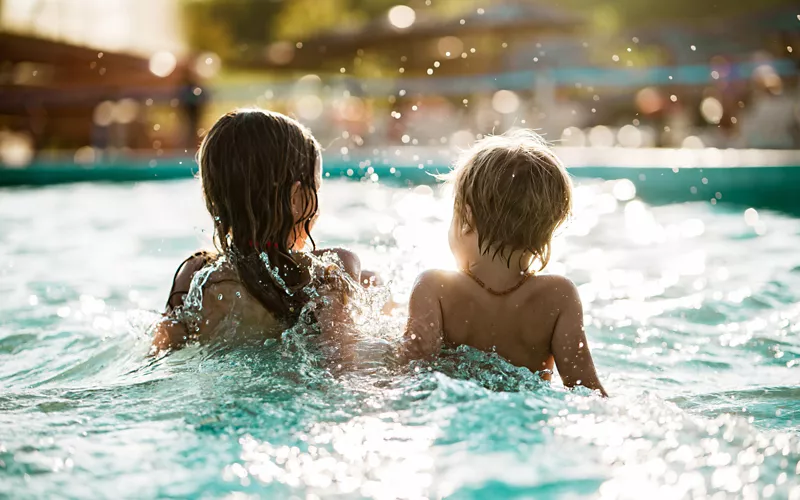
column 514, row 288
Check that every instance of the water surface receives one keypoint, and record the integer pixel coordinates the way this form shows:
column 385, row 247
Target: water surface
column 691, row 311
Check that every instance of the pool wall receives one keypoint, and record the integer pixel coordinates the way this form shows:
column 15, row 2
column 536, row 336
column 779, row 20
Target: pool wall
column 758, row 178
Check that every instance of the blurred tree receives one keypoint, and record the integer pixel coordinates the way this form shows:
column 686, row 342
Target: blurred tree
column 235, row 29
column 231, row 28
column 241, row 29
column 294, row 22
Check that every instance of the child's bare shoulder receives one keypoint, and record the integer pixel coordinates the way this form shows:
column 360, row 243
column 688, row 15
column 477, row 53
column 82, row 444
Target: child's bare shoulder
column 435, row 279
column 559, row 290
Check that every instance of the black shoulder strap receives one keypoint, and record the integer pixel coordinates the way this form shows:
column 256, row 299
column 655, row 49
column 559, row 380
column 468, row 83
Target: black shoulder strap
column 207, row 257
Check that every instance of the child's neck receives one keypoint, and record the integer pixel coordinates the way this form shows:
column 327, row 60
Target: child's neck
column 498, row 273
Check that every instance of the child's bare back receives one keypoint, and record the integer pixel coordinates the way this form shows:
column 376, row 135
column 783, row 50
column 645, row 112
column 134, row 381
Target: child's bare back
column 531, row 326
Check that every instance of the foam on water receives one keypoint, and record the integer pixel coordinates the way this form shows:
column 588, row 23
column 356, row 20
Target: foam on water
column 691, row 314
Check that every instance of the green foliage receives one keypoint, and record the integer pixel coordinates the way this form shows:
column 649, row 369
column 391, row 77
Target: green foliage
column 295, row 21
column 229, row 27
column 238, row 29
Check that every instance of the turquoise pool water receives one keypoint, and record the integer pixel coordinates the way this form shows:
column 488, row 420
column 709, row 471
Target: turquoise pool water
column 693, row 315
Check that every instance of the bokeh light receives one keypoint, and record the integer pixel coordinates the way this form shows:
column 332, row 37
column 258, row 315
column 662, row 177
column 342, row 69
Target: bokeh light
column 693, row 142
column 309, row 107
column 649, row 100
column 573, row 137
column 711, row 109
column 103, row 114
column 85, row 155
column 281, row 53
column 505, row 101
column 16, row 149
column 462, row 139
column 624, row 190
column 125, row 111
column 207, row 65
column 601, row 136
column 629, row 137
column 402, row 16
column 163, row 63
column 450, row 47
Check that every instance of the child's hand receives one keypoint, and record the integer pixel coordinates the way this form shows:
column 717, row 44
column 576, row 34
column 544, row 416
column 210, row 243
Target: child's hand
column 168, row 333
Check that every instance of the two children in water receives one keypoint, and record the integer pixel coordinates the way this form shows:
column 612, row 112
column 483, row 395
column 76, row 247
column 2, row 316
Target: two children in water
column 261, row 172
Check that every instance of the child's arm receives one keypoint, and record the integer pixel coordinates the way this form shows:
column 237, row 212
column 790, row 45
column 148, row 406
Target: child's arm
column 168, row 332
column 424, row 330
column 331, row 313
column 569, row 346
column 221, row 301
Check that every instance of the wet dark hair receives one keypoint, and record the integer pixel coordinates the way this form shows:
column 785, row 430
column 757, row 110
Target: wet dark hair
column 249, row 162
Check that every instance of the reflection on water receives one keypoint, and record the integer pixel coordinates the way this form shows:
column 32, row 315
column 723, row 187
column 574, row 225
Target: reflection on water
column 691, row 311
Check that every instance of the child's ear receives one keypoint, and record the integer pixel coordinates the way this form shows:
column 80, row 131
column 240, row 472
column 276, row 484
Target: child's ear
column 297, row 200
column 467, row 223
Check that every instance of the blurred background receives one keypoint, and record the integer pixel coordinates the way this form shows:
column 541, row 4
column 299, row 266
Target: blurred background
column 88, row 82
column 679, row 120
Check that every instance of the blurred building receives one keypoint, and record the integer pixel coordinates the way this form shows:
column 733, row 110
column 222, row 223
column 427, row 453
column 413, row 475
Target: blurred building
column 93, row 76
column 108, row 76
column 526, row 63
column 132, row 26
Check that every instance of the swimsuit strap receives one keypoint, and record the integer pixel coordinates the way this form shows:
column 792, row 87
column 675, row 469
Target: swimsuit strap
column 514, row 288
column 207, row 258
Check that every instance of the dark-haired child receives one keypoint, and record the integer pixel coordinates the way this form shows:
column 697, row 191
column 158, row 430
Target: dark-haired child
column 260, row 172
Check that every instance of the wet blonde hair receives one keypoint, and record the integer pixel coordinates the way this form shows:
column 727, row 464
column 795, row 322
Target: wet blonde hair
column 514, row 192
